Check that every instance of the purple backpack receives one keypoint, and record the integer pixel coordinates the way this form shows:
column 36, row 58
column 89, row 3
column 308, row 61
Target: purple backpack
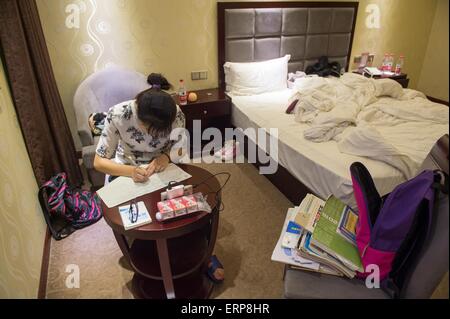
column 67, row 209
column 392, row 229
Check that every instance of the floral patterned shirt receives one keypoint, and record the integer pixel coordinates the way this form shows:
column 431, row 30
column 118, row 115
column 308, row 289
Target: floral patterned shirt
column 123, row 139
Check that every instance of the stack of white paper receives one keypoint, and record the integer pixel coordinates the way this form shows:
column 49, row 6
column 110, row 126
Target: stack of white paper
column 123, row 189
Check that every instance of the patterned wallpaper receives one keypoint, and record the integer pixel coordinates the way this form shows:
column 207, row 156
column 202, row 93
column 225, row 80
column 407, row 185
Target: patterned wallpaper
column 175, row 37
column 22, row 226
column 172, row 37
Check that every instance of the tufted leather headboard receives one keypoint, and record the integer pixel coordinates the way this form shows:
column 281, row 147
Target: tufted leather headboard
column 256, row 31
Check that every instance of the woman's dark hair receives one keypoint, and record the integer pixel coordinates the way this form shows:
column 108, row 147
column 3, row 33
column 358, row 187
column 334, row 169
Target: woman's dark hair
column 156, row 109
column 156, row 80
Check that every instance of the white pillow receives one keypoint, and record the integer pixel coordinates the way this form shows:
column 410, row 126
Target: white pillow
column 256, row 77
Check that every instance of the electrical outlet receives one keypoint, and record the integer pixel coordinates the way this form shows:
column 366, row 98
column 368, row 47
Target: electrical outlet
column 195, row 76
column 199, row 75
column 203, row 75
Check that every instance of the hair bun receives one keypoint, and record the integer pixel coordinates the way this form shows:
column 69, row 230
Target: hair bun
column 157, row 81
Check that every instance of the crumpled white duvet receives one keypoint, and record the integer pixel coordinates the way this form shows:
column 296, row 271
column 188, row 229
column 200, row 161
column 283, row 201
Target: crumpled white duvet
column 371, row 118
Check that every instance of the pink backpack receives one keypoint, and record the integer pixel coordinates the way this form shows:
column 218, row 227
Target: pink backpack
column 392, row 229
column 66, row 208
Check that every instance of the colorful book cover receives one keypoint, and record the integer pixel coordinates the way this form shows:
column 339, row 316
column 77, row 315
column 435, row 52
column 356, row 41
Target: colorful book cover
column 326, row 260
column 308, row 212
column 288, row 255
column 326, row 237
column 347, row 225
column 291, row 235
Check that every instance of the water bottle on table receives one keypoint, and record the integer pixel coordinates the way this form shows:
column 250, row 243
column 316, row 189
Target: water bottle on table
column 399, row 65
column 182, row 94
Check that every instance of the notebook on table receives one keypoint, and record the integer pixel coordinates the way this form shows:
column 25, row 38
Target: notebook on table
column 134, row 215
column 124, row 189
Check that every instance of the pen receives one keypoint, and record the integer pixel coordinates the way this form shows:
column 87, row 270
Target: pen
column 133, row 162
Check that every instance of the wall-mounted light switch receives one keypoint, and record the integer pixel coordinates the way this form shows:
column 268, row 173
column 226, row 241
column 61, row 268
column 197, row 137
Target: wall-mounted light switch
column 199, row 75
column 203, row 75
column 357, row 59
column 195, row 76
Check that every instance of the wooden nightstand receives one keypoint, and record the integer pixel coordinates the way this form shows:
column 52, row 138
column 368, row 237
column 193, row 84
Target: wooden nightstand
column 401, row 78
column 212, row 108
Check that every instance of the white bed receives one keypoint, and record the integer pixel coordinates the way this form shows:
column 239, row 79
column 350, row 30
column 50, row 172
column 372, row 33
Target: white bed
column 319, row 166
column 390, row 138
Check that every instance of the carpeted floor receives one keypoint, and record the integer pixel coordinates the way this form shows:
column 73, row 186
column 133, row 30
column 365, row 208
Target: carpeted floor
column 249, row 228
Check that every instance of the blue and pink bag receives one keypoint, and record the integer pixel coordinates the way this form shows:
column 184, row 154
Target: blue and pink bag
column 392, row 229
column 67, row 209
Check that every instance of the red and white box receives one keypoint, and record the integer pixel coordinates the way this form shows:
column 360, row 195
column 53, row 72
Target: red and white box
column 166, row 210
column 190, row 202
column 178, row 206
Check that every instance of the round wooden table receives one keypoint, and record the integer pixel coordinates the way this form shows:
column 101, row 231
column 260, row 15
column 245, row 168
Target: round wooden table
column 170, row 258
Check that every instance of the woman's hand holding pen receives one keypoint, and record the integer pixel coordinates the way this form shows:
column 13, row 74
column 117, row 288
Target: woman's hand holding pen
column 140, row 174
column 158, row 164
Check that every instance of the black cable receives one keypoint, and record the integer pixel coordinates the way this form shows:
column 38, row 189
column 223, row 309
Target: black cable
column 169, row 186
column 209, row 177
column 218, row 191
column 222, row 205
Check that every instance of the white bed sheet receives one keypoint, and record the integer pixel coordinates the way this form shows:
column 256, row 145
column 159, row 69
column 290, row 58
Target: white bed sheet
column 319, row 166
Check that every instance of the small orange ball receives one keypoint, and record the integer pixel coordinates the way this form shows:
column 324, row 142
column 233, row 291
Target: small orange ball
column 192, row 97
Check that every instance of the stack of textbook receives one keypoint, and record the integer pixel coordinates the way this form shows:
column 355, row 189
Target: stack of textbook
column 320, row 236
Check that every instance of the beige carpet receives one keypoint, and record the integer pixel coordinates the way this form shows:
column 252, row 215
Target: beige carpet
column 249, row 228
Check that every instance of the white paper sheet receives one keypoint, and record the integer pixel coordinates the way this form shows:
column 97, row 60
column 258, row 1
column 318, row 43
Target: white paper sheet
column 123, row 189
column 289, row 256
